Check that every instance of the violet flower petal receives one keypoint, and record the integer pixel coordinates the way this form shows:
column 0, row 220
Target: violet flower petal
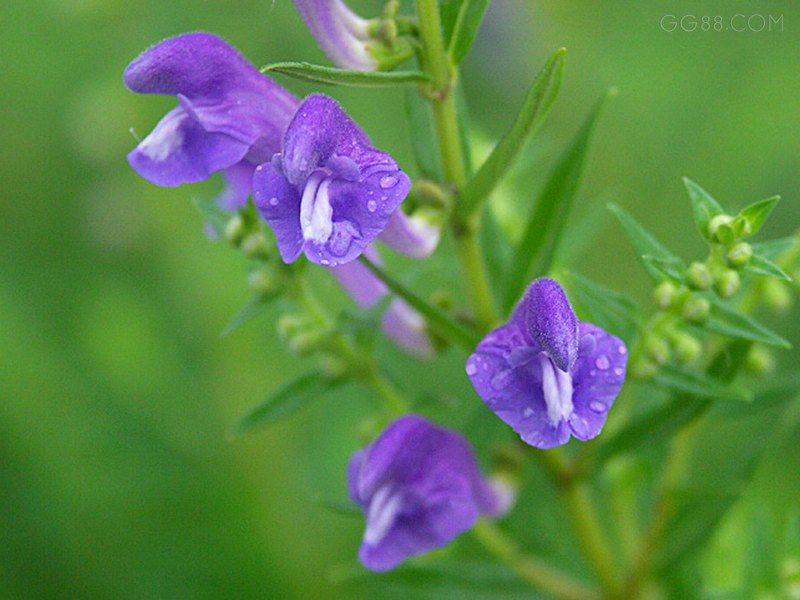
column 238, row 186
column 277, row 200
column 228, row 110
column 519, row 378
column 411, row 235
column 340, row 33
column 420, row 487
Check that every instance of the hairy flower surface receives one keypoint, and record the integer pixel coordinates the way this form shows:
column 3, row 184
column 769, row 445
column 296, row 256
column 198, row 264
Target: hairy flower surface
column 340, row 33
column 419, row 486
column 401, row 323
column 546, row 374
column 329, row 193
column 230, row 117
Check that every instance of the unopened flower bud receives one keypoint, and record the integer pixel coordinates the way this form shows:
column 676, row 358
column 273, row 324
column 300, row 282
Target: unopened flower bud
column 255, row 245
column 727, row 283
column 687, row 348
column 742, row 227
column 760, row 361
column 739, row 255
column 303, row 344
column 332, row 367
column 657, row 349
column 699, row 276
column 665, row 294
column 263, row 281
column 235, row 229
column 696, row 309
column 719, row 228
column 777, row 295
column 289, row 325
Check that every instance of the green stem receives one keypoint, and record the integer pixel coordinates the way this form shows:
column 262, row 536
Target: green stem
column 437, row 65
column 529, row 568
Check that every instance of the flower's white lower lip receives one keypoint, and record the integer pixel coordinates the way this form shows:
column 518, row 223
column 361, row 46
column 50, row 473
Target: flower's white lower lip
column 316, row 213
column 383, row 510
column 557, row 389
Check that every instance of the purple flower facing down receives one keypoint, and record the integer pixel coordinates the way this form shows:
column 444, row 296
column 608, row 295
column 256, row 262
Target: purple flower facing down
column 342, row 34
column 411, row 235
column 419, row 486
column 401, row 323
column 547, row 374
column 230, row 117
column 329, row 193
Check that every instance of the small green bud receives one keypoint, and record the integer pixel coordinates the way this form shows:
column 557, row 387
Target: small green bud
column 290, row 324
column 657, row 349
column 760, row 361
column 665, row 294
column 742, row 227
column 739, row 255
column 263, row 281
column 235, row 229
column 255, row 245
column 645, row 369
column 332, row 367
column 304, row 344
column 777, row 295
column 727, row 283
column 687, row 348
column 699, row 276
column 719, row 228
column 696, row 309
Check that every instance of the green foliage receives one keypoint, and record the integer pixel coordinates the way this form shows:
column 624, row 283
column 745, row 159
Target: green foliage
column 731, row 323
column 704, row 207
column 537, row 248
column 535, row 108
column 286, row 401
column 346, row 77
column 602, row 306
column 423, row 143
column 753, row 216
column 255, row 307
column 465, row 28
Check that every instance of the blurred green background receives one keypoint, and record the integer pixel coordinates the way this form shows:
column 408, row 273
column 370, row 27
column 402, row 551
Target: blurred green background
column 117, row 478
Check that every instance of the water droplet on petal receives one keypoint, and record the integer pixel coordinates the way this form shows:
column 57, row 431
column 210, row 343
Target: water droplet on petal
column 593, row 372
column 597, row 407
column 388, row 181
column 527, row 412
column 372, row 205
column 622, row 349
column 602, row 362
column 273, row 201
column 501, row 379
column 384, row 197
column 471, row 369
column 618, row 370
column 325, row 262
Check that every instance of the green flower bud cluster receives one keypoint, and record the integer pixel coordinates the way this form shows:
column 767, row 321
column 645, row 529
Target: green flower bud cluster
column 301, row 334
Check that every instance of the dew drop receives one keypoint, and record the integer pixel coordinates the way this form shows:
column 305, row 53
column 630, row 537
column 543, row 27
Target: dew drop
column 384, row 197
column 471, row 369
column 593, row 372
column 527, row 412
column 325, row 262
column 273, row 201
column 602, row 362
column 622, row 349
column 388, row 182
column 372, row 205
column 597, row 407
column 618, row 370
column 501, row 379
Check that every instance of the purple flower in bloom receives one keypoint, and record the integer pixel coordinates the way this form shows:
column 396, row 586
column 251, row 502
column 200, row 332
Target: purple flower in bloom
column 401, row 323
column 342, row 34
column 419, row 486
column 230, row 117
column 411, row 235
column 547, row 374
column 329, row 193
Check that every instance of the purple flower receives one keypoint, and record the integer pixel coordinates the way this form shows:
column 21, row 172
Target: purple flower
column 229, row 116
column 401, row 323
column 342, row 34
column 329, row 193
column 547, row 374
column 411, row 235
column 419, row 486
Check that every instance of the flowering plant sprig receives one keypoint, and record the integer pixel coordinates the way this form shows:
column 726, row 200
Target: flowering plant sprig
column 308, row 193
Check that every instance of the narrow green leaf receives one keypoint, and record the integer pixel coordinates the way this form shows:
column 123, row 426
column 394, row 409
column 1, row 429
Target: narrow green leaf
column 539, row 242
column 773, row 249
column 602, row 306
column 645, row 244
column 704, row 206
column 758, row 212
column 346, row 508
column 423, row 143
column 699, row 385
column 347, row 77
column 669, row 268
column 448, row 12
column 726, row 321
column 213, row 215
column 496, row 248
column 438, row 320
column 465, row 28
column 249, row 311
column 761, row 265
column 286, row 401
column 537, row 105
